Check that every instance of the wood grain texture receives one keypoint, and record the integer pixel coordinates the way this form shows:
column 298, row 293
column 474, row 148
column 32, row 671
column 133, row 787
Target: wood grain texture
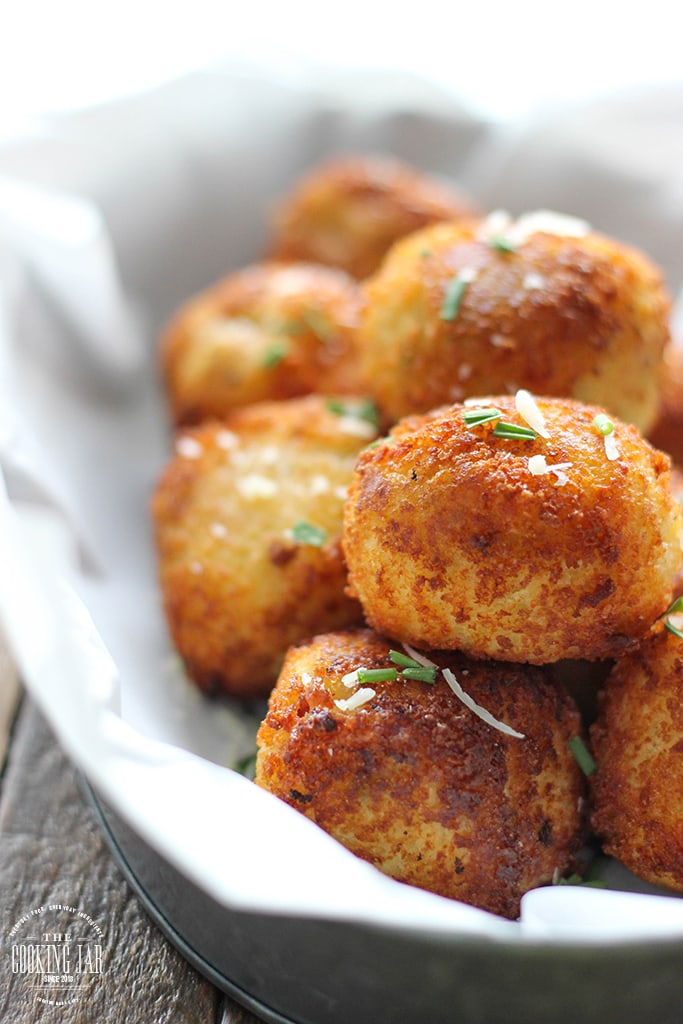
column 52, row 852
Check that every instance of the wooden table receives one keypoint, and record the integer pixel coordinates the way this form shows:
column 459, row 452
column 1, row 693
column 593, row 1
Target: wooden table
column 52, row 850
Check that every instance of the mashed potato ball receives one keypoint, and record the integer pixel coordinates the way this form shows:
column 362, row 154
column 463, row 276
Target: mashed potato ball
column 667, row 432
column 348, row 211
column 248, row 518
column 638, row 746
column 541, row 303
column 468, row 528
column 265, row 332
column 406, row 776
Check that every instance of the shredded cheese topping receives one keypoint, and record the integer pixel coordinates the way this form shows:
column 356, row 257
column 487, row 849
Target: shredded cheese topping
column 538, row 466
column 471, row 705
column 516, row 232
column 526, row 406
column 253, row 485
column 457, row 689
column 356, row 699
column 189, row 448
column 611, row 449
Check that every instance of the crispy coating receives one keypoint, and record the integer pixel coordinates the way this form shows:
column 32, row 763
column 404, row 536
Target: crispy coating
column 677, row 490
column 347, row 212
column 267, row 332
column 667, row 432
column 418, row 785
column 582, row 317
column 239, row 581
column 451, row 540
column 637, row 742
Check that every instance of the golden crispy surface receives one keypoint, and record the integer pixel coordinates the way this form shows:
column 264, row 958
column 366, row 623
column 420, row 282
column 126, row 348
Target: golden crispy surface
column 452, row 542
column 267, row 332
column 583, row 317
column 418, row 785
column 638, row 745
column 667, row 432
column 238, row 587
column 677, row 490
column 348, row 212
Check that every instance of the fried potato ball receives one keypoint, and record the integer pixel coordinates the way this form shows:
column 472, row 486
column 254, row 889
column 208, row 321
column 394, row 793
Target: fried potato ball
column 677, row 490
column 348, row 211
column 462, row 310
column 414, row 782
column 247, row 520
column 667, row 432
column 524, row 549
column 267, row 332
column 637, row 742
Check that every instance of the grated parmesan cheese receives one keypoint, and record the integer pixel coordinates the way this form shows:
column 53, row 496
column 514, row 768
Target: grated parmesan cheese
column 253, row 485
column 457, row 689
column 319, row 484
column 226, row 440
column 189, row 448
column 351, row 678
column 516, row 232
column 356, row 699
column 538, row 466
column 356, row 426
column 611, row 449
column 306, row 678
column 526, row 406
column 477, row 709
column 533, row 281
column 218, row 530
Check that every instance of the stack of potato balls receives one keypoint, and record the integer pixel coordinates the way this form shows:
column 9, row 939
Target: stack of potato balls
column 411, row 501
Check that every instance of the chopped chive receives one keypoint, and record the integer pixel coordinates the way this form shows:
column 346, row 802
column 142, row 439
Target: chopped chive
column 426, row 253
column 583, row 756
column 246, row 765
column 399, row 658
column 453, row 297
column 502, row 244
column 318, row 325
column 674, row 609
column 274, row 355
column 592, row 883
column 308, row 533
column 512, row 431
column 603, row 424
column 377, row 675
column 423, row 673
column 365, row 409
column 474, row 417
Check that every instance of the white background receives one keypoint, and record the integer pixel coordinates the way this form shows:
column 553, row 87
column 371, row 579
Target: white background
column 503, row 59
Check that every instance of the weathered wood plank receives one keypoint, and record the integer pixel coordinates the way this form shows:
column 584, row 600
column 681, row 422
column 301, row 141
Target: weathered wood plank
column 51, row 854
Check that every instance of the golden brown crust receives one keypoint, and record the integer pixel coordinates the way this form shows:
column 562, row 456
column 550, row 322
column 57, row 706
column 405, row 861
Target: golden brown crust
column 583, row 317
column 267, row 332
column 452, row 542
column 417, row 784
column 238, row 587
column 637, row 741
column 667, row 432
column 348, row 211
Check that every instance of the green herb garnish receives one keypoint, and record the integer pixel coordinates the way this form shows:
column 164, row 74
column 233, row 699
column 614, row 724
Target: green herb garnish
column 591, row 883
column 583, row 756
column 308, row 533
column 365, row 409
column 502, row 244
column 453, row 297
column 674, row 609
column 512, row 431
column 411, row 669
column 246, row 765
column 275, row 354
column 424, row 673
column 376, row 675
column 474, row 417
column 603, row 424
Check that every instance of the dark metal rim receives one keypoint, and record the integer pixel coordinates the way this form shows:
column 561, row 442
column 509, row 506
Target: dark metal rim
column 218, row 979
